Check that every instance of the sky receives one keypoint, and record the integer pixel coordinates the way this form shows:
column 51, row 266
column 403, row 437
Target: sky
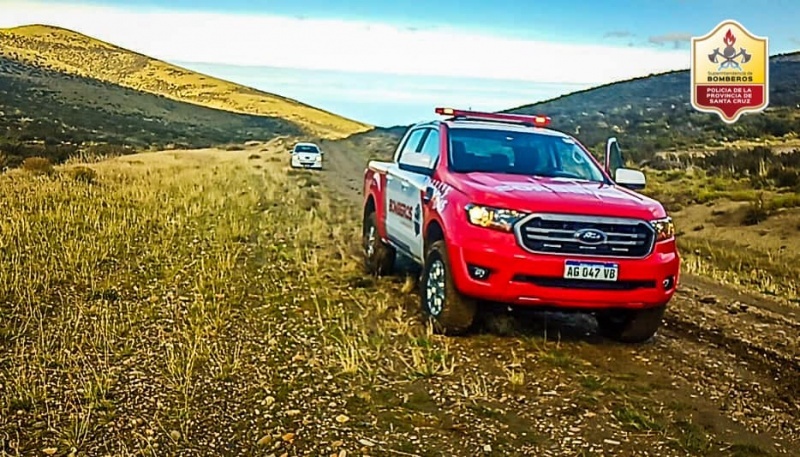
column 391, row 62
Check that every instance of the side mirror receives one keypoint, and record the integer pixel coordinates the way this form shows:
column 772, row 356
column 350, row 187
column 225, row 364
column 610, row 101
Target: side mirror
column 427, row 165
column 417, row 163
column 426, row 161
column 419, row 160
column 632, row 179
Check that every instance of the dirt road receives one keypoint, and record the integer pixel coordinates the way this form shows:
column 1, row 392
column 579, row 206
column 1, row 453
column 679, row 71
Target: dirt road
column 725, row 368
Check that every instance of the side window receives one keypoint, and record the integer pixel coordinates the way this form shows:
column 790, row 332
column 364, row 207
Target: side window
column 413, row 153
column 431, row 146
column 411, row 145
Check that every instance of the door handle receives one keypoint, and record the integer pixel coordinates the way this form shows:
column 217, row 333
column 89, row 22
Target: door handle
column 404, row 185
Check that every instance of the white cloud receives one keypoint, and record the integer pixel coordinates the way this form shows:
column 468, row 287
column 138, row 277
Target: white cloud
column 259, row 39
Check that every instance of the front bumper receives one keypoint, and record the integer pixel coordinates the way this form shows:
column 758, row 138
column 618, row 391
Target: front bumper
column 304, row 164
column 522, row 278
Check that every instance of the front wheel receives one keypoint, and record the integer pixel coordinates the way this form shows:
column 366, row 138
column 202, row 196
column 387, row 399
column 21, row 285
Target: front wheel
column 450, row 312
column 631, row 326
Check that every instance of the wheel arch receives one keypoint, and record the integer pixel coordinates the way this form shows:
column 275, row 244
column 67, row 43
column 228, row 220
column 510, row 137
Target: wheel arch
column 369, row 206
column 433, row 232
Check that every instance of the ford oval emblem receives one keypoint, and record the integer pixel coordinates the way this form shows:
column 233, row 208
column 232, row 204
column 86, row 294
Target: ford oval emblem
column 590, row 236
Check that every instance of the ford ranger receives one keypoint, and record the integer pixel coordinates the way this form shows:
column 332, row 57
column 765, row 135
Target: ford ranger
column 501, row 208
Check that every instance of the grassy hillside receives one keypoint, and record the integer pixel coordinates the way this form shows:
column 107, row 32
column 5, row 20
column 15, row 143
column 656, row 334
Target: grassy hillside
column 55, row 115
column 654, row 113
column 76, row 54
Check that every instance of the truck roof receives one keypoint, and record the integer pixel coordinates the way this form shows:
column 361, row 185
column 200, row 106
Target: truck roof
column 499, row 125
column 493, row 125
column 482, row 120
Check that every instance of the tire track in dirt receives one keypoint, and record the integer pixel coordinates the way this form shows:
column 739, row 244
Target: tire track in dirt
column 732, row 354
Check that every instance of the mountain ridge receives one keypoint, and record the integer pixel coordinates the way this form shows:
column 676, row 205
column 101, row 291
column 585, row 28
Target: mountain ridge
column 653, row 113
column 72, row 52
column 55, row 115
column 792, row 56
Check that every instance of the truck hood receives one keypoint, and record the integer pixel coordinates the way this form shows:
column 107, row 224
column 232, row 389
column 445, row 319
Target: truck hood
column 556, row 195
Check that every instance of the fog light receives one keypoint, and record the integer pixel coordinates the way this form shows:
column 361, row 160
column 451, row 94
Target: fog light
column 668, row 283
column 478, row 272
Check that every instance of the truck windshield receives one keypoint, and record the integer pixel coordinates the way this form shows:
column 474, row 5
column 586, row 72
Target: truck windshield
column 520, row 153
column 305, row 148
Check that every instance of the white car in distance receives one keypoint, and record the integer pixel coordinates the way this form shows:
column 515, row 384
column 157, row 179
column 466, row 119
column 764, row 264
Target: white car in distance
column 306, row 155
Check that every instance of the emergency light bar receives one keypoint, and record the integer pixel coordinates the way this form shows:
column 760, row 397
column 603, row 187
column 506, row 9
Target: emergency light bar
column 536, row 121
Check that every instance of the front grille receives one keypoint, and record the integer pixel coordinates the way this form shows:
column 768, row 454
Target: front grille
column 560, row 283
column 558, row 234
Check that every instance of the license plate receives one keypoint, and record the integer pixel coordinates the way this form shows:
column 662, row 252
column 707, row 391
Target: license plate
column 591, row 271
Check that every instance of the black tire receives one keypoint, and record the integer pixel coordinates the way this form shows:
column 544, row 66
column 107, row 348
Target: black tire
column 378, row 256
column 631, row 326
column 456, row 313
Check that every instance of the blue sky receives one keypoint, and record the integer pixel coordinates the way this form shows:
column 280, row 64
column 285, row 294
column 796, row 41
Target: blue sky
column 388, row 62
column 642, row 22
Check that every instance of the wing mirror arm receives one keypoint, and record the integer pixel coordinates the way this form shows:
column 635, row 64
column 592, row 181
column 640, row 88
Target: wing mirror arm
column 428, row 195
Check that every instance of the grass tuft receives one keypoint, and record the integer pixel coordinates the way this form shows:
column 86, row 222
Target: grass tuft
column 38, row 166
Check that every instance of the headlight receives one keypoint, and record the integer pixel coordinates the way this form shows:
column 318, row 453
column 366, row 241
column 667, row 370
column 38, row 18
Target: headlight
column 664, row 228
column 493, row 218
column 319, row 158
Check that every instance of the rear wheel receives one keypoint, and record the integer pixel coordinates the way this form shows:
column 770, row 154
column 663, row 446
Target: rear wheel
column 450, row 312
column 378, row 256
column 631, row 326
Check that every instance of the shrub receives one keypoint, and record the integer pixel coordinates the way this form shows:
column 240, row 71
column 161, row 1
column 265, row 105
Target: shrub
column 38, row 166
column 254, row 156
column 83, row 174
column 755, row 213
column 787, row 178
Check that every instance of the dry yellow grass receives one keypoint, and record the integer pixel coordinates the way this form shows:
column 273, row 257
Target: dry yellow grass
column 189, row 301
column 717, row 240
column 212, row 302
column 761, row 258
column 73, row 53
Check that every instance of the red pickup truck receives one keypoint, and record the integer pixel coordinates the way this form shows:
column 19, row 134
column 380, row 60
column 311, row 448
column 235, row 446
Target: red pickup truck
column 498, row 207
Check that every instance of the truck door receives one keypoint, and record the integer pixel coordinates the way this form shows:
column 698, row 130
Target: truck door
column 399, row 214
column 415, row 168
